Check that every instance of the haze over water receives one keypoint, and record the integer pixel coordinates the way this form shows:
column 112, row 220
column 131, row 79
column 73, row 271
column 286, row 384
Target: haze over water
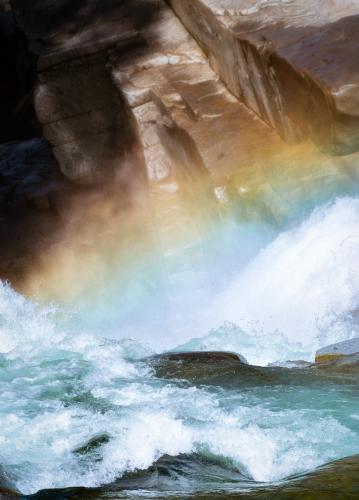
column 65, row 380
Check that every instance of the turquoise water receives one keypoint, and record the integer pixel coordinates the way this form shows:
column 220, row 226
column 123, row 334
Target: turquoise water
column 64, row 387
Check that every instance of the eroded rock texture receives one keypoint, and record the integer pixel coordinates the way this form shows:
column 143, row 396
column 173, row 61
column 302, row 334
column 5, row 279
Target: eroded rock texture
column 129, row 101
column 83, row 115
column 115, row 75
column 294, row 62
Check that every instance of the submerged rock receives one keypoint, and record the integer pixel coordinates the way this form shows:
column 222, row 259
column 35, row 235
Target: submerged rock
column 201, row 356
column 7, row 492
column 92, row 446
column 300, row 363
column 340, row 351
column 338, row 479
column 226, row 369
column 211, row 367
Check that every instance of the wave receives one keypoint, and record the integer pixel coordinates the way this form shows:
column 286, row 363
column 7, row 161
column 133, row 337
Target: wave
column 64, row 391
column 299, row 293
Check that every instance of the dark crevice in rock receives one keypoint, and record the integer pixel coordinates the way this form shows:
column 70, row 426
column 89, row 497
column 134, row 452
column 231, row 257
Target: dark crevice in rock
column 18, row 71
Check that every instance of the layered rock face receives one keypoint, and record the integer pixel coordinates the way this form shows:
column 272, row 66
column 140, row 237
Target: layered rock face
column 249, row 167
column 128, row 99
column 292, row 62
column 111, row 73
column 82, row 114
column 32, row 194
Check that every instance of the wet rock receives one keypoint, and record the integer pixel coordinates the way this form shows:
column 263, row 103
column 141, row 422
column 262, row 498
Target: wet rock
column 208, row 367
column 300, row 363
column 338, row 479
column 200, row 356
column 84, row 119
column 345, row 351
column 297, row 70
column 7, row 492
column 30, row 221
column 226, row 370
column 92, row 446
column 128, row 100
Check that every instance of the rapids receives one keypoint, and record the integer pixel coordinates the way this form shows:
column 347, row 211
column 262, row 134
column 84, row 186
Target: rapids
column 81, row 409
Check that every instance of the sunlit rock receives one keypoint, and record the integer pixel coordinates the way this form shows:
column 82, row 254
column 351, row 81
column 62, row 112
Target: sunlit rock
column 292, row 62
column 198, row 356
column 341, row 351
column 128, row 100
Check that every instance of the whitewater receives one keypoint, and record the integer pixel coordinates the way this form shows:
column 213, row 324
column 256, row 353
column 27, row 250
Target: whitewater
column 62, row 387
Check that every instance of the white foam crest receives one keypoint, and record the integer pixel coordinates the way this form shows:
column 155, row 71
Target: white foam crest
column 23, row 325
column 146, row 420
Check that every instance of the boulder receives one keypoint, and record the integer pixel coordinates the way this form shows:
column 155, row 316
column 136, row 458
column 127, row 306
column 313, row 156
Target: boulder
column 198, row 356
column 337, row 479
column 209, row 367
column 294, row 63
column 348, row 349
column 299, row 363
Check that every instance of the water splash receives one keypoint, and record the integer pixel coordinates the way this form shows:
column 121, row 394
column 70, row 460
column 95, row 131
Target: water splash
column 62, row 388
column 299, row 293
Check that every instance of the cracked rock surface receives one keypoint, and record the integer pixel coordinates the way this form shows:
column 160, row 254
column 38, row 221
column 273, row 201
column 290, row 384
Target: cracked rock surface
column 294, row 62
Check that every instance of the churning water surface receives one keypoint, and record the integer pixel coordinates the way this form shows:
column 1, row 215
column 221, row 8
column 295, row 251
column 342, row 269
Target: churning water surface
column 63, row 388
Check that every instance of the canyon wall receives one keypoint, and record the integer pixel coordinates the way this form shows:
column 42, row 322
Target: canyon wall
column 177, row 111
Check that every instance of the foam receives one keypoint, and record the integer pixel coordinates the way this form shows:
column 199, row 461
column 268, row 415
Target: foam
column 301, row 292
column 60, row 388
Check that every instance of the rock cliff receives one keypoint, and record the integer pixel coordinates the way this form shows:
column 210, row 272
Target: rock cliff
column 175, row 108
column 292, row 62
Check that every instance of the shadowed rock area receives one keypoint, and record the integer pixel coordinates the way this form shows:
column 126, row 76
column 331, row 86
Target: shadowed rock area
column 130, row 104
column 82, row 114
